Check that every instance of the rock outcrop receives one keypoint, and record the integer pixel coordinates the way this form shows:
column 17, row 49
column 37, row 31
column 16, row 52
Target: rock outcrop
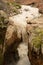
column 35, row 45
column 3, row 27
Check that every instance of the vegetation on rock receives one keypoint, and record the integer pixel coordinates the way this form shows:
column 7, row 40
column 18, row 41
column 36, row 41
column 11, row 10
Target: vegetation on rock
column 35, row 50
column 37, row 39
column 10, row 8
column 14, row 6
column 3, row 26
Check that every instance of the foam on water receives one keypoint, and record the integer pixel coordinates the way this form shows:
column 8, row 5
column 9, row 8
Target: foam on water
column 27, row 12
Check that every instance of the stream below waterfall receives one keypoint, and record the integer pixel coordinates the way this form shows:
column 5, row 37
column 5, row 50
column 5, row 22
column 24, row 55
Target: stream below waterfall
column 23, row 50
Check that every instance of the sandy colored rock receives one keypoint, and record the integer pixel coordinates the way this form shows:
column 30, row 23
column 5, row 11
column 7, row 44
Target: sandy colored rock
column 40, row 6
column 38, row 20
column 27, row 1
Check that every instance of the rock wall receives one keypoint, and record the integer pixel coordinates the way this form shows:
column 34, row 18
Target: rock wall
column 35, row 46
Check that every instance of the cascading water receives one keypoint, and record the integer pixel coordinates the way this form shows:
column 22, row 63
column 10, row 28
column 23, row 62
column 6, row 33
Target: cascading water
column 19, row 22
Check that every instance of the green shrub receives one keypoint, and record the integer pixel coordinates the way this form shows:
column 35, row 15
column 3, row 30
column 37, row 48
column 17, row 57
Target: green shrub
column 14, row 7
column 37, row 38
column 3, row 19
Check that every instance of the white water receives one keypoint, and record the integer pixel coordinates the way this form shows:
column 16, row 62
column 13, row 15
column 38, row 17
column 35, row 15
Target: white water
column 20, row 20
